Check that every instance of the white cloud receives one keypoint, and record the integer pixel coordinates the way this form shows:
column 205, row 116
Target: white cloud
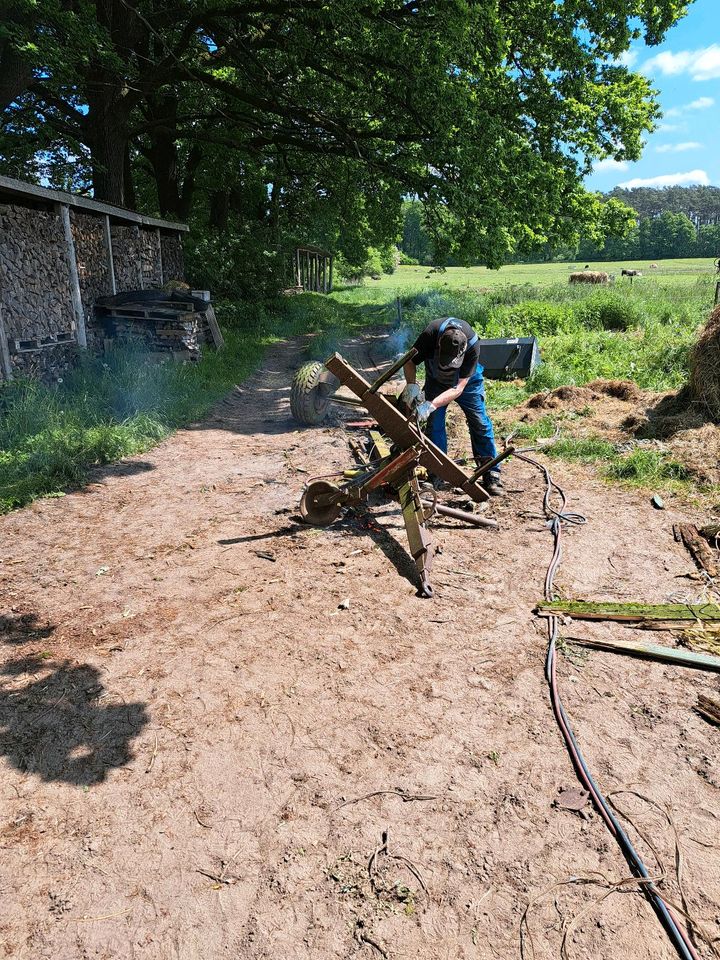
column 669, row 180
column 627, row 58
column 608, row 164
column 678, row 147
column 702, row 103
column 702, row 64
column 670, row 127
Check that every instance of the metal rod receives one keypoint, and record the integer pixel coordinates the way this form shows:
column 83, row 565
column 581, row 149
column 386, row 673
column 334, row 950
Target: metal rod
column 384, row 377
column 472, row 518
column 346, row 401
column 493, row 463
column 386, row 473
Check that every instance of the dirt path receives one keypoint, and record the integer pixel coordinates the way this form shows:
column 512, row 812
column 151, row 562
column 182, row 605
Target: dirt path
column 188, row 722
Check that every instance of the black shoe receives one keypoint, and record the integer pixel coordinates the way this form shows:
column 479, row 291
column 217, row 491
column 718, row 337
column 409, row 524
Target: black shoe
column 492, row 482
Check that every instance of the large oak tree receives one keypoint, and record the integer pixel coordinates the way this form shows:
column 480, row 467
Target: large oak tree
column 490, row 111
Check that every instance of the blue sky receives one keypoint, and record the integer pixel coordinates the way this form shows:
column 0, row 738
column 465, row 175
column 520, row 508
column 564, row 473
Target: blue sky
column 685, row 149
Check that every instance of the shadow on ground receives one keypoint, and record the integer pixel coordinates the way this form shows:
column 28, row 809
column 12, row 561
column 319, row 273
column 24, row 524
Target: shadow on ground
column 54, row 725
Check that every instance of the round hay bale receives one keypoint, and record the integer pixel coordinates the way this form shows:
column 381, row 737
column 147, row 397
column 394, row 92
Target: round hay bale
column 705, row 366
column 589, row 276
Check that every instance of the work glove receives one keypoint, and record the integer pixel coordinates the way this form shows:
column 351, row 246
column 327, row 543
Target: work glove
column 410, row 395
column 425, row 409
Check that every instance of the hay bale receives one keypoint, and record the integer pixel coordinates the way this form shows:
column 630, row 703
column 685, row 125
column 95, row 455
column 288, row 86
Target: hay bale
column 705, row 366
column 589, row 276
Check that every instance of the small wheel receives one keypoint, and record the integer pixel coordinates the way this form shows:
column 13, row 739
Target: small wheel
column 322, row 514
column 310, row 393
column 426, row 591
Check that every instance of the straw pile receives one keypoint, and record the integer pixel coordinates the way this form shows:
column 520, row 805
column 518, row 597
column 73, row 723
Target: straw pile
column 705, row 366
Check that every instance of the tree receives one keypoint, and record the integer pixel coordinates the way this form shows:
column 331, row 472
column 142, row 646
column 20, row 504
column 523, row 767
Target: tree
column 489, row 113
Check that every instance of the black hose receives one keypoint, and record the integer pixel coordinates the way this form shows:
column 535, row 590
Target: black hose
column 557, row 519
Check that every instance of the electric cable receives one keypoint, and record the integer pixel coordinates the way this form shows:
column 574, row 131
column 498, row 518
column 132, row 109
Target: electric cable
column 557, row 519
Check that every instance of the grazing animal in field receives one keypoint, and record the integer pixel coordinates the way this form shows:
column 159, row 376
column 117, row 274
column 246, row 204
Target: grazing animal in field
column 653, row 266
column 631, row 273
column 589, row 276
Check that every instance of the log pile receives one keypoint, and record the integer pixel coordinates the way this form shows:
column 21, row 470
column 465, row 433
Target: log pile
column 171, row 328
column 34, row 274
column 172, row 258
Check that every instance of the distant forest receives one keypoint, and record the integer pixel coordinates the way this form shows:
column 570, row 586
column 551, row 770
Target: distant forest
column 671, row 222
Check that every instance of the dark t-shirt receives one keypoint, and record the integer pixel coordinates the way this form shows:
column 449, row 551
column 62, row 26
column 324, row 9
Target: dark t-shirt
column 427, row 345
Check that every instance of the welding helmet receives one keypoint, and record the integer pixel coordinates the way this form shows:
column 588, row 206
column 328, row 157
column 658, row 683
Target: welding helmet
column 452, row 346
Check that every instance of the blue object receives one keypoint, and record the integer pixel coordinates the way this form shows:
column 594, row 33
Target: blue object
column 472, row 402
column 454, row 322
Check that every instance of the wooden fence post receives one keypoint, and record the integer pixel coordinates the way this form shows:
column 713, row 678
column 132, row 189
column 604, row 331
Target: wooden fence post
column 75, row 294
column 5, row 364
column 332, row 260
column 108, row 250
column 160, row 263
column 138, row 253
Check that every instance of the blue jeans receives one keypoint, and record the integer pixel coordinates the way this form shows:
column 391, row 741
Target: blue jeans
column 472, row 403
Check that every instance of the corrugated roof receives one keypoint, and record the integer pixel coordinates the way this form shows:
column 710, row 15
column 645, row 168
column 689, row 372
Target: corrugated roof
column 17, row 189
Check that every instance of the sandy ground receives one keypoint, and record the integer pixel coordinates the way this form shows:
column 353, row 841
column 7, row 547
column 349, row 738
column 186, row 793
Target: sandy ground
column 201, row 752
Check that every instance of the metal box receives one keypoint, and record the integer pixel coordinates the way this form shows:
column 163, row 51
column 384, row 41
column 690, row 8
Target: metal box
column 509, row 358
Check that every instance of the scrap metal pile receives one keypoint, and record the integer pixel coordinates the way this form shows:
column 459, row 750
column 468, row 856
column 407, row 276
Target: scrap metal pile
column 399, row 455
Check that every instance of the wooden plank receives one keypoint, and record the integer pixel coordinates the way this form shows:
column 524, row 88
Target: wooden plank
column 401, row 431
column 217, row 336
column 109, row 254
column 698, row 548
column 160, row 262
column 74, row 277
column 5, row 364
column 632, row 612
column 653, row 651
column 138, row 248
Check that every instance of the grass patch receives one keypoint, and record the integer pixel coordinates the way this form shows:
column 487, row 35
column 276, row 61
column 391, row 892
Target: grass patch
column 647, row 468
column 121, row 404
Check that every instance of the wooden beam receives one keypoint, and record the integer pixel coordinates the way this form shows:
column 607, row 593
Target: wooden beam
column 5, row 364
column 160, row 263
column 138, row 248
column 332, row 261
column 75, row 294
column 109, row 253
column 633, row 612
column 18, row 188
column 402, row 431
column 653, row 651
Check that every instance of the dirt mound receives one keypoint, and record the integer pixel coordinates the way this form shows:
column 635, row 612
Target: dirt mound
column 560, row 396
column 705, row 366
column 620, row 389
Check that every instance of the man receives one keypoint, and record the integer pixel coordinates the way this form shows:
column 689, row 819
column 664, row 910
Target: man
column 450, row 350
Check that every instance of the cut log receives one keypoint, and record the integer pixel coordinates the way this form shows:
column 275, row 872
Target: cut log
column 653, row 651
column 709, row 709
column 698, row 548
column 633, row 612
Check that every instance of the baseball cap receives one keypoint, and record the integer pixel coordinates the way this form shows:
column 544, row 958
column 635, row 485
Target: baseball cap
column 451, row 348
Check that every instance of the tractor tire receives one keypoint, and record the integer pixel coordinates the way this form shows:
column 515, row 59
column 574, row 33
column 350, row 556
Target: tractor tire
column 309, row 397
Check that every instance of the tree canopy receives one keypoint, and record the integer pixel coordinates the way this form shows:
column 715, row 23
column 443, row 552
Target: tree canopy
column 314, row 119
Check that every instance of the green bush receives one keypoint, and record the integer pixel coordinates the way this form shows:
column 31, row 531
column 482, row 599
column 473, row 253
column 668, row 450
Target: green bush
column 608, row 311
column 533, row 318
